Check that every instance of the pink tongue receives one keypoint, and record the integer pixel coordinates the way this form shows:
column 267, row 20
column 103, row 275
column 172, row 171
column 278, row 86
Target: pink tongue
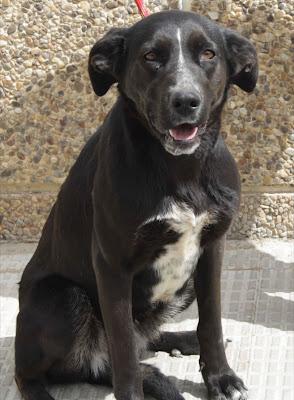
column 184, row 132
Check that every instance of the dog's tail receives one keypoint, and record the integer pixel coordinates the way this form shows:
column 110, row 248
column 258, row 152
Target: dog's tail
column 32, row 389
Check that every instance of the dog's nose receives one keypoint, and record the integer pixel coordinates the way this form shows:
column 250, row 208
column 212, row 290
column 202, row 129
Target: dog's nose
column 185, row 103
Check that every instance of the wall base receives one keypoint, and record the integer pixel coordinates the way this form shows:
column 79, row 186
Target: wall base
column 261, row 215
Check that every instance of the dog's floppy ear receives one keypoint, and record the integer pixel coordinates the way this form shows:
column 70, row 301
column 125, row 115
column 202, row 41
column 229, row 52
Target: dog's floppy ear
column 242, row 59
column 106, row 59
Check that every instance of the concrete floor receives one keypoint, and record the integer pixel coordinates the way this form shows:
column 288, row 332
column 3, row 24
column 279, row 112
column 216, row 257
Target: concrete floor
column 258, row 315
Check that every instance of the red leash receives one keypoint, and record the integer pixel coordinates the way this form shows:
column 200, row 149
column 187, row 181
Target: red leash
column 142, row 9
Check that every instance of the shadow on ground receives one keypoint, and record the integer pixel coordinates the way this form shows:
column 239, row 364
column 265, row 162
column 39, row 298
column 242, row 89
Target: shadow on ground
column 258, row 314
column 259, row 275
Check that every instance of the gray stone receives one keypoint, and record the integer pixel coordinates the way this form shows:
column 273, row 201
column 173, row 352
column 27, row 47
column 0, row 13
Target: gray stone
column 290, row 151
column 214, row 15
column 11, row 29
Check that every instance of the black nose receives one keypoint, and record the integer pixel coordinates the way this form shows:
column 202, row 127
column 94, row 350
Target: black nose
column 185, row 103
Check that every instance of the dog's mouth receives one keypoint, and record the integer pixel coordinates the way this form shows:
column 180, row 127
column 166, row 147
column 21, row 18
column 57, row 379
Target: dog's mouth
column 184, row 132
column 180, row 139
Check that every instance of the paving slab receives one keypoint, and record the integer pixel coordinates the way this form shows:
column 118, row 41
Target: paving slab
column 258, row 316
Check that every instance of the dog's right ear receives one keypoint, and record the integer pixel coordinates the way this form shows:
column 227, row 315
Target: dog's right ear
column 106, row 60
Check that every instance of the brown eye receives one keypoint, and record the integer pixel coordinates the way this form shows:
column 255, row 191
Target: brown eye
column 151, row 56
column 207, row 55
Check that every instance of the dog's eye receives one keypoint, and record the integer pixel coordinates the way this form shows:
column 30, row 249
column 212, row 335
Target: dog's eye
column 150, row 56
column 207, row 55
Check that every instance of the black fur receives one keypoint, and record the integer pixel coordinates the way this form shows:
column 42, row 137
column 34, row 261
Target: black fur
column 87, row 310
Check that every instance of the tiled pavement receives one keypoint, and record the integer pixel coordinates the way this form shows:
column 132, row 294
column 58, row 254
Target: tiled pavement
column 258, row 315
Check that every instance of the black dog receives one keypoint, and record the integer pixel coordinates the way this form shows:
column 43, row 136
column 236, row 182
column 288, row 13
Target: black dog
column 137, row 231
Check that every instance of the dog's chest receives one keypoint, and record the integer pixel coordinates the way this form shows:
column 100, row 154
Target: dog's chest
column 177, row 259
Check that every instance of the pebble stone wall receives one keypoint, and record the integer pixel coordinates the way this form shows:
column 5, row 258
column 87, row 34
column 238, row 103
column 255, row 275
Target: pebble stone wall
column 48, row 110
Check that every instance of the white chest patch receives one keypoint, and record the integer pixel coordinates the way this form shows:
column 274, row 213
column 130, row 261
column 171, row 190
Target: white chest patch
column 176, row 264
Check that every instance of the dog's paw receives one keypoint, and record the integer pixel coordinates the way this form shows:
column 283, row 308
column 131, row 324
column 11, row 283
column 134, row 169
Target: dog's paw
column 226, row 386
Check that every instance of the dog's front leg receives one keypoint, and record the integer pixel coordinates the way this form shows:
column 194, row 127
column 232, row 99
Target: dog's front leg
column 115, row 297
column 221, row 381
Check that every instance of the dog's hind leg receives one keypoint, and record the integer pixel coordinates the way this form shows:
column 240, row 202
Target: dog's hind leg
column 32, row 390
column 158, row 385
column 155, row 383
column 57, row 336
column 186, row 342
column 31, row 361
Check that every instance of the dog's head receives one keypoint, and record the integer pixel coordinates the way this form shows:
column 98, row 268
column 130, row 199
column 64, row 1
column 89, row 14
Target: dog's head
column 175, row 68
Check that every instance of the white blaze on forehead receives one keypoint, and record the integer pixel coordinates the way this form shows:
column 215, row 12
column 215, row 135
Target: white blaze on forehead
column 184, row 75
column 181, row 57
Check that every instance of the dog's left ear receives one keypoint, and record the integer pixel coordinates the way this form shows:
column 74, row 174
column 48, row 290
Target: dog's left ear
column 242, row 60
column 106, row 60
